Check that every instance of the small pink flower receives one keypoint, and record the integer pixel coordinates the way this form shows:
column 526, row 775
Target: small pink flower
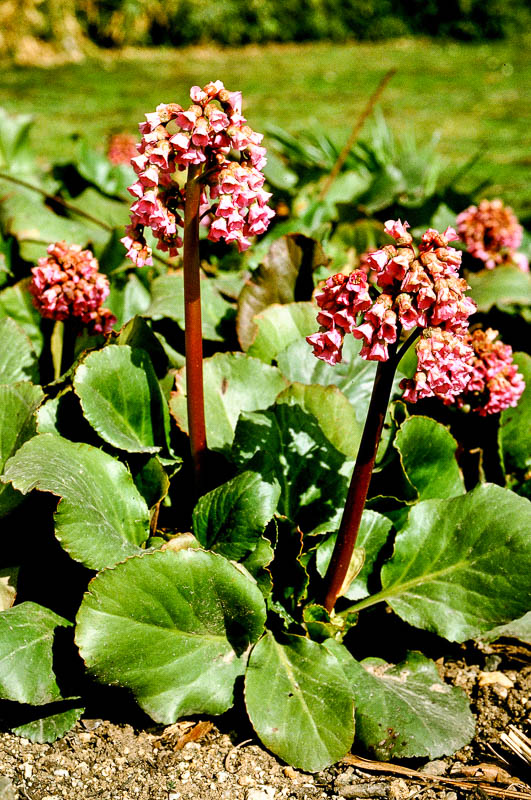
column 490, row 231
column 327, row 345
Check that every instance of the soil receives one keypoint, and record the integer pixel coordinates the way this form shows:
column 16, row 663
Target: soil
column 198, row 760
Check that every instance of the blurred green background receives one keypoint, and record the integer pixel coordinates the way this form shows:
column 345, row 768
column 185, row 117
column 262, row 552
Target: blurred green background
column 91, row 68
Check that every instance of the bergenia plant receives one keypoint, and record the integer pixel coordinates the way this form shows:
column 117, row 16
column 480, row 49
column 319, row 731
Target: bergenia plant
column 261, row 581
column 223, row 159
column 492, row 234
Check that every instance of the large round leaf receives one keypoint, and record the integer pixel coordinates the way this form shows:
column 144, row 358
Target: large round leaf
column 335, row 415
column 233, row 382
column 504, row 286
column 427, row 451
column 18, row 359
column 16, row 302
column 405, row 711
column 231, row 519
column 299, row 702
column 101, row 518
column 174, row 628
column 18, row 404
column 168, row 301
column 279, row 325
column 462, row 566
column 26, row 637
column 121, row 398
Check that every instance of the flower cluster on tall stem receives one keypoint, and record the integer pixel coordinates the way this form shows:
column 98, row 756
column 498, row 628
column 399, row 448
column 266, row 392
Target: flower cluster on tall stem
column 492, row 234
column 67, row 284
column 221, row 190
column 416, row 293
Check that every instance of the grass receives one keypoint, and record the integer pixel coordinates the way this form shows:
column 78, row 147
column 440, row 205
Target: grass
column 472, row 94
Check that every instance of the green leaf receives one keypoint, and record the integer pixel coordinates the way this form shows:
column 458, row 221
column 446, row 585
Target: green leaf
column 515, row 423
column 233, row 382
column 16, row 302
column 298, row 701
column 18, row 404
column 122, row 400
column 174, row 628
column 503, row 287
column 53, row 721
column 335, row 415
column 405, row 711
column 137, row 334
column 29, row 219
column 427, row 451
column 372, row 535
column 231, row 519
column 18, row 360
column 462, row 566
column 128, row 299
column 112, row 212
column 168, row 301
column 15, row 150
column 287, row 443
column 26, row 638
column 284, row 276
column 256, row 563
column 101, row 518
column 152, row 481
column 279, row 325
column 354, row 376
column 96, row 168
column 516, row 629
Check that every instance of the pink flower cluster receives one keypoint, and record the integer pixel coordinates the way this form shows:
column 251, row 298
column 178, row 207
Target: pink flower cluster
column 421, row 290
column 495, row 383
column 67, row 283
column 121, row 148
column 233, row 200
column 492, row 234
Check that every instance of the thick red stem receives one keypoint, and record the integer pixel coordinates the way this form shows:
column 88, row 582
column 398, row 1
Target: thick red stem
column 193, row 330
column 359, row 485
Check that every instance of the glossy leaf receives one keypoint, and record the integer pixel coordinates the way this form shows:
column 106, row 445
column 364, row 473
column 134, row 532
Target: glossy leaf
column 121, row 398
column 168, row 301
column 335, row 415
column 405, row 711
column 174, row 628
column 284, row 277
column 26, row 638
column 231, row 519
column 427, row 450
column 287, row 443
column 516, row 629
column 233, row 382
column 126, row 299
column 462, row 566
column 504, row 287
column 18, row 360
column 52, row 721
column 299, row 702
column 101, row 518
column 18, row 404
column 279, row 325
column 16, row 302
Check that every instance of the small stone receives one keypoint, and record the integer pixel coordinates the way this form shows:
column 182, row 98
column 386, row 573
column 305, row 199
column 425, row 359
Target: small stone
column 436, row 768
column 174, row 796
column 266, row 793
column 61, row 773
column 222, row 776
column 289, row 772
column 355, row 790
column 498, row 678
column 451, row 796
column 245, row 780
column 84, row 737
column 7, row 790
column 28, row 771
column 398, row 790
